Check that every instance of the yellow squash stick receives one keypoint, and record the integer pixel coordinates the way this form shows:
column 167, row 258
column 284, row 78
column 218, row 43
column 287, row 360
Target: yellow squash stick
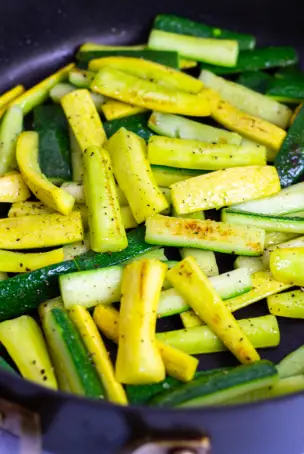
column 249, row 126
column 17, row 262
column 83, row 118
column 178, row 364
column 24, row 342
column 150, row 95
column 44, row 230
column 113, row 109
column 98, row 352
column 10, row 95
column 134, row 175
column 286, row 265
column 13, row 188
column 151, row 71
column 138, row 359
column 28, row 162
column 192, row 283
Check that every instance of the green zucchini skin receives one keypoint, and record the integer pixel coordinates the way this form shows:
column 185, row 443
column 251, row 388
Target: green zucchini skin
column 289, row 162
column 134, row 123
column 194, row 392
column 25, row 292
column 257, row 59
column 290, row 89
column 167, row 58
column 183, row 26
column 5, row 366
column 289, row 72
column 255, row 80
column 54, row 144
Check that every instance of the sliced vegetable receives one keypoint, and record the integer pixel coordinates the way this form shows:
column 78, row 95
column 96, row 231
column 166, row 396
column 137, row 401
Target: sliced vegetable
column 177, row 363
column 83, row 118
column 184, row 63
column 287, row 90
column 40, row 92
column 134, row 176
column 54, row 147
column 97, row 46
column 247, row 100
column 217, row 388
column 206, row 260
column 17, row 262
column 190, row 319
column 224, row 188
column 250, row 126
column 292, row 364
column 191, row 282
column 134, row 90
column 278, row 237
column 263, row 332
column 192, row 154
column 166, row 176
column 255, row 80
column 72, row 363
column 288, row 200
column 60, row 90
column 150, row 71
column 263, row 285
column 7, row 97
column 6, row 367
column 163, row 57
column 13, row 188
column 135, row 123
column 23, row 340
column 208, row 235
column 10, row 128
column 175, row 126
column 286, row 265
column 27, row 158
column 114, row 110
column 182, row 25
column 209, row 50
column 293, row 243
column 76, row 158
column 290, row 159
column 261, row 58
column 289, row 304
column 70, row 251
column 262, row 221
column 252, row 264
column 100, row 357
column 80, row 78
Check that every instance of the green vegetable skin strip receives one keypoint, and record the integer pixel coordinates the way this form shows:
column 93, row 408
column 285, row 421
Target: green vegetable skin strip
column 24, row 292
column 135, row 123
column 255, row 80
column 287, row 90
column 164, row 57
column 253, row 60
column 183, row 26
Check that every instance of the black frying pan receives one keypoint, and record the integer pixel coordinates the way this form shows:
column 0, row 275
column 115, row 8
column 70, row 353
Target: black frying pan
column 36, row 38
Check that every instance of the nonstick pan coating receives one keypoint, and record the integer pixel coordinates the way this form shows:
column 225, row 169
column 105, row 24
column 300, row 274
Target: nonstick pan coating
column 35, row 39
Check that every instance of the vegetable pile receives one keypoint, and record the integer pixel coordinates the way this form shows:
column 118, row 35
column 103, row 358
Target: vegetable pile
column 120, row 204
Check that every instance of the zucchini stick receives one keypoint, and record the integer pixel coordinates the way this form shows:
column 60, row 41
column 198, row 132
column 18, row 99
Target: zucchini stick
column 262, row 332
column 292, row 364
column 17, row 262
column 81, row 78
column 76, row 159
column 138, row 359
column 286, row 265
column 44, row 230
column 177, row 363
column 11, row 127
column 13, row 188
column 134, row 176
column 205, row 259
column 192, row 154
column 100, row 357
column 107, row 233
column 224, row 188
column 76, row 189
column 272, row 238
column 151, row 71
column 254, row 128
column 113, row 109
column 190, row 319
column 142, row 93
column 44, row 190
column 24, row 342
column 10, row 95
column 289, row 304
column 83, row 118
column 191, row 282
column 293, row 243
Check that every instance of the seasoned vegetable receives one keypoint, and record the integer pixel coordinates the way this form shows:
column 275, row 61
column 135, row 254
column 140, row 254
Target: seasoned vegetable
column 293, row 243
column 255, row 80
column 7, row 97
column 248, row 100
column 80, row 78
column 130, row 89
column 17, row 262
column 278, row 237
column 208, row 235
column 192, row 154
column 10, row 128
column 287, row 90
column 13, row 188
column 262, row 332
column 100, row 357
column 250, row 126
column 60, row 90
column 134, row 176
column 224, row 188
column 290, row 304
column 114, row 110
column 176, row 24
column 252, row 264
column 23, row 340
column 27, row 158
column 177, row 363
column 209, row 50
column 206, row 260
column 292, row 364
column 286, row 265
column 166, row 176
column 135, row 123
column 170, row 125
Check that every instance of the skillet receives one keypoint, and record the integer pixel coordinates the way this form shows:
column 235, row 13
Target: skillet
column 38, row 37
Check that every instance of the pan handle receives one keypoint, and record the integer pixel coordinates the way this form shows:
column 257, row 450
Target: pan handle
column 198, row 446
